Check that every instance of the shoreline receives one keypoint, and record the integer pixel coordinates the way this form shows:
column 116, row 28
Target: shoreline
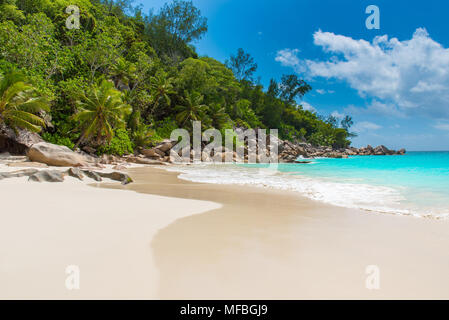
column 280, row 245
column 336, row 191
column 176, row 239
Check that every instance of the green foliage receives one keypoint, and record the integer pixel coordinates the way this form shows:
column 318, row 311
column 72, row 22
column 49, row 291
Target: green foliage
column 57, row 139
column 161, row 88
column 120, row 144
column 218, row 116
column 292, row 87
column 127, row 72
column 9, row 11
column 100, row 111
column 165, row 127
column 176, row 25
column 144, row 136
column 191, row 109
column 243, row 65
column 19, row 103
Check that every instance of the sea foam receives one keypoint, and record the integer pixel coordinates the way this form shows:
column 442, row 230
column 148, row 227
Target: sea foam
column 362, row 196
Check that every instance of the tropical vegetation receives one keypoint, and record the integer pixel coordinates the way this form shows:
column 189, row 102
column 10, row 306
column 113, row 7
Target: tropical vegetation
column 125, row 79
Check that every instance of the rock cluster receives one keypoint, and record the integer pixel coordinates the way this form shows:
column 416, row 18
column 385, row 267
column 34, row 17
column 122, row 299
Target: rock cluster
column 17, row 142
column 58, row 176
column 160, row 153
column 289, row 152
column 52, row 175
column 43, row 154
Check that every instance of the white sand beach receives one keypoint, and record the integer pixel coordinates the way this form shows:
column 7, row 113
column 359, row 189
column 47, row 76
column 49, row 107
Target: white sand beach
column 146, row 241
column 45, row 227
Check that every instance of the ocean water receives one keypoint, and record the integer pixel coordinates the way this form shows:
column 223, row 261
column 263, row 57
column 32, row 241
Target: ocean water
column 415, row 184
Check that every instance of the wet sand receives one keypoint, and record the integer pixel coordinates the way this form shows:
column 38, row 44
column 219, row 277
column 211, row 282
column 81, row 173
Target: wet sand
column 269, row 244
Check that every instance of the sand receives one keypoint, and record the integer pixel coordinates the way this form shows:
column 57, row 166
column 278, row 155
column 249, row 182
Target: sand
column 106, row 233
column 228, row 242
column 269, row 244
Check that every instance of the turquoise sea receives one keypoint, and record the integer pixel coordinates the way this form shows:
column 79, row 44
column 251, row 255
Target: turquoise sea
column 415, row 184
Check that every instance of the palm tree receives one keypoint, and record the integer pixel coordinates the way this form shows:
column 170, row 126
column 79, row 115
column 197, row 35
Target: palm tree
column 100, row 112
column 122, row 72
column 191, row 110
column 19, row 102
column 218, row 116
column 143, row 136
column 161, row 89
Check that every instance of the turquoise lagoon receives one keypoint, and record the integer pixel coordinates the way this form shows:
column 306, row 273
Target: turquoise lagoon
column 415, row 184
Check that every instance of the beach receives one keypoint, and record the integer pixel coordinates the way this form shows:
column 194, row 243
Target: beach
column 46, row 227
column 165, row 238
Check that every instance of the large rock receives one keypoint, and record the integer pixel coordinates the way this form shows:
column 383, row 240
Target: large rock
column 54, row 155
column 381, row 150
column 153, row 153
column 47, row 176
column 75, row 173
column 401, row 152
column 93, row 175
column 17, row 143
column 117, row 176
column 166, row 145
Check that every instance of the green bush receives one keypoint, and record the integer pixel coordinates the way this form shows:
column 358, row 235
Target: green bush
column 120, row 144
column 57, row 139
column 165, row 127
column 143, row 137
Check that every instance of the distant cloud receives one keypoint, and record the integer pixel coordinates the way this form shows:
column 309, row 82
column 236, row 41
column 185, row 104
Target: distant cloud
column 365, row 126
column 409, row 77
column 322, row 91
column 376, row 108
column 308, row 107
column 337, row 115
column 288, row 57
column 442, row 126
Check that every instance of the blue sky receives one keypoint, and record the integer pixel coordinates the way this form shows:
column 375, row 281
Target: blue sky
column 395, row 86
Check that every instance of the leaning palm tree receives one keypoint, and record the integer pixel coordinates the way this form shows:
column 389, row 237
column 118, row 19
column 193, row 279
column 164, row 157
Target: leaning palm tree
column 100, row 112
column 218, row 116
column 19, row 102
column 192, row 109
column 161, row 89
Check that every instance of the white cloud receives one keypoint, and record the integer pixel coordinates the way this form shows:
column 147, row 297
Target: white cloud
column 376, row 108
column 288, row 57
column 322, row 91
column 411, row 75
column 365, row 126
column 337, row 115
column 308, row 107
column 442, row 126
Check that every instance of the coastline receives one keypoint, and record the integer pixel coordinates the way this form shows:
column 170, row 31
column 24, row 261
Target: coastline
column 274, row 244
column 227, row 241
